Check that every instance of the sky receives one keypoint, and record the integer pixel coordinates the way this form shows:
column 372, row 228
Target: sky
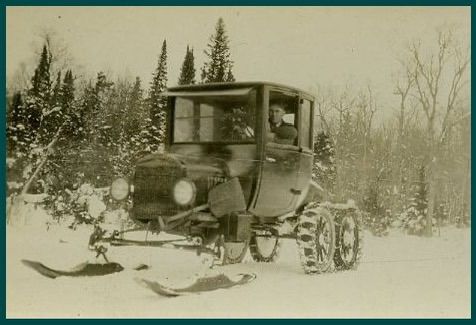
column 305, row 47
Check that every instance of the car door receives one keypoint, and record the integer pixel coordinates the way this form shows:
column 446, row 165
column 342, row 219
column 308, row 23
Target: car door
column 305, row 143
column 280, row 166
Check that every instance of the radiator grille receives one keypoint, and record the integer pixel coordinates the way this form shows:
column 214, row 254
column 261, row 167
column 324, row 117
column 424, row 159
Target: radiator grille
column 152, row 192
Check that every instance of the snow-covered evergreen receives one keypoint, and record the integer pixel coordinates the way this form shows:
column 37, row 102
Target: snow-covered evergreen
column 414, row 218
column 219, row 66
column 324, row 169
column 157, row 102
column 187, row 72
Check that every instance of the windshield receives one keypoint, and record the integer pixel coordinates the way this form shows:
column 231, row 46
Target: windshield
column 215, row 118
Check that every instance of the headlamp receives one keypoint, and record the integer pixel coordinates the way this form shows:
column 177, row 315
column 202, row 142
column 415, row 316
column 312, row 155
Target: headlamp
column 119, row 189
column 184, row 192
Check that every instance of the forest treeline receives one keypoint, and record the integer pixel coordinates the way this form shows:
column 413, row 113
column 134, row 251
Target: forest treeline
column 410, row 170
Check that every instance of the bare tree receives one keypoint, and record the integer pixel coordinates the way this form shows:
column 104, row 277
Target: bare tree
column 405, row 114
column 19, row 80
column 323, row 109
column 61, row 57
column 366, row 109
column 402, row 90
column 436, row 82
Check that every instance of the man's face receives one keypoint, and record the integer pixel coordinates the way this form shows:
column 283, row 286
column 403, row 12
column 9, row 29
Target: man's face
column 276, row 113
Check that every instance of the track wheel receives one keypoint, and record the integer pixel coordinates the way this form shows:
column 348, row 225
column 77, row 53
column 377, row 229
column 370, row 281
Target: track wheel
column 316, row 240
column 264, row 246
column 233, row 252
column 348, row 240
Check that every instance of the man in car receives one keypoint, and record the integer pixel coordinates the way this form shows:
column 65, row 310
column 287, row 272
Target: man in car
column 279, row 130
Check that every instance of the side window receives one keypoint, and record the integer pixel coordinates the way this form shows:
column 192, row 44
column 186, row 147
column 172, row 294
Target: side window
column 306, row 119
column 282, row 118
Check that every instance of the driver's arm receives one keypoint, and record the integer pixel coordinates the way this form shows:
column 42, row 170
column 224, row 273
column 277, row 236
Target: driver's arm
column 285, row 134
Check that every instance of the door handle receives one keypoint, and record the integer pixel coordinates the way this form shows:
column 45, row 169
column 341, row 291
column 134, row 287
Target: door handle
column 271, row 160
column 288, row 163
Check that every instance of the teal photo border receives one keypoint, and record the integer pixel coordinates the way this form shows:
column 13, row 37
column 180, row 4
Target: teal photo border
column 238, row 3
column 210, row 3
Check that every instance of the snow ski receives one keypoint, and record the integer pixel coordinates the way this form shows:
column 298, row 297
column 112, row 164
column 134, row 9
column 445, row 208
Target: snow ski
column 83, row 269
column 220, row 281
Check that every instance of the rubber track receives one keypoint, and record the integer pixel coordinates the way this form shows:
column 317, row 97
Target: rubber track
column 306, row 238
column 256, row 255
column 339, row 214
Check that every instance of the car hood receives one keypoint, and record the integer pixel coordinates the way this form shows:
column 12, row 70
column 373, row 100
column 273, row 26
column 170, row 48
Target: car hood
column 192, row 166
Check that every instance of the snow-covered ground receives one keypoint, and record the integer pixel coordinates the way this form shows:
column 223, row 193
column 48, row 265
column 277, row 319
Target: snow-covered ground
column 400, row 276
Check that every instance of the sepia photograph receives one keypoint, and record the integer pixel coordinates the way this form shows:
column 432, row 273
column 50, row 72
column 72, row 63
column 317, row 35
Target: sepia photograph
column 238, row 162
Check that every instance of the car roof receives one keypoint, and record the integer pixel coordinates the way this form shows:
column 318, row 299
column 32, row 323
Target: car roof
column 231, row 85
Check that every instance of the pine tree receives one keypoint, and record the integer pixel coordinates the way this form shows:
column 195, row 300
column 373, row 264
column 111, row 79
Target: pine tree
column 187, row 73
column 374, row 210
column 17, row 119
column 229, row 76
column 18, row 141
column 36, row 136
column 74, row 128
column 219, row 67
column 92, row 107
column 421, row 200
column 128, row 122
column 324, row 170
column 136, row 109
column 137, row 127
column 137, row 94
column 86, row 111
column 62, row 164
column 67, row 92
column 53, row 117
column 105, row 96
column 70, row 117
column 414, row 218
column 56, row 93
column 95, row 146
column 118, row 120
column 38, row 99
column 347, row 152
column 41, row 81
column 158, row 103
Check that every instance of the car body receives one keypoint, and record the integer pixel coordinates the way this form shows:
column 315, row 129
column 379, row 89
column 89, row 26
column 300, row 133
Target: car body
column 224, row 174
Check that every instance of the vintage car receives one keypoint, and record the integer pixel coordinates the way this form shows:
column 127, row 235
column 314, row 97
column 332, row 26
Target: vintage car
column 226, row 181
